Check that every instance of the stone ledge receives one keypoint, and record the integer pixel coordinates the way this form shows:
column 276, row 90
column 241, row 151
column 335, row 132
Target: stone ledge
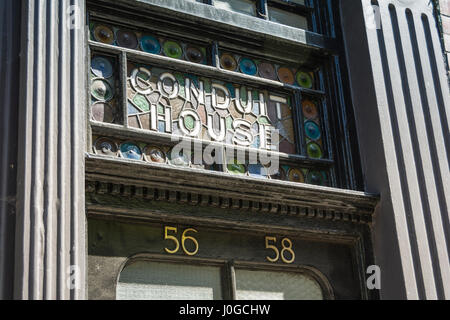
column 128, row 178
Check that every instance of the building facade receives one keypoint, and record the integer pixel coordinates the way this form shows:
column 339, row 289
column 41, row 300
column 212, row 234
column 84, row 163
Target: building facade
column 238, row 149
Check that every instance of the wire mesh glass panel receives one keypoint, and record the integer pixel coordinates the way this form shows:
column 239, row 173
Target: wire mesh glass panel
column 269, row 285
column 145, row 280
column 287, row 18
column 240, row 6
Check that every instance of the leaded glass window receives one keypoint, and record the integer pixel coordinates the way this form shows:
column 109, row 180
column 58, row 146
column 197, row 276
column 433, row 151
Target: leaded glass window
column 239, row 108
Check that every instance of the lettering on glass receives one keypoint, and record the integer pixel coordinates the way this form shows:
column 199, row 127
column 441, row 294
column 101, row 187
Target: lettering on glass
column 190, row 106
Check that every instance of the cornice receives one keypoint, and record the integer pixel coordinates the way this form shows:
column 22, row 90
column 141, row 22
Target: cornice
column 123, row 177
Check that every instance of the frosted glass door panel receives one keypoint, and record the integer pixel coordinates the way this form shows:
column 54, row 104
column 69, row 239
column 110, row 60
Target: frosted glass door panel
column 267, row 285
column 145, row 280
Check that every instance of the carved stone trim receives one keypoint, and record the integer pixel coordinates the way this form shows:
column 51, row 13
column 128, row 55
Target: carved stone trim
column 103, row 177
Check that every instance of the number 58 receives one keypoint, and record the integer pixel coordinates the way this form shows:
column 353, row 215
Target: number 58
column 285, row 248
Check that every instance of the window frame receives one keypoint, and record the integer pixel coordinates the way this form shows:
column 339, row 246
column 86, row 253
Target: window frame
column 227, row 271
column 341, row 174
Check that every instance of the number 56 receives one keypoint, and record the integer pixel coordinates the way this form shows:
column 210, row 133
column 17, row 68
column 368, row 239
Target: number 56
column 184, row 237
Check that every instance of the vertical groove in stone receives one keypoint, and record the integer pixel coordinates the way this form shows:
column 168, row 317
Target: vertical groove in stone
column 423, row 141
column 412, row 102
column 407, row 151
column 9, row 93
column 51, row 142
column 381, row 88
column 438, row 170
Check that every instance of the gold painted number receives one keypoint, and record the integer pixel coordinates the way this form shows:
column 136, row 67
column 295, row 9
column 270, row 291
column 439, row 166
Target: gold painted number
column 287, row 248
column 184, row 237
column 174, row 239
column 285, row 251
column 275, row 249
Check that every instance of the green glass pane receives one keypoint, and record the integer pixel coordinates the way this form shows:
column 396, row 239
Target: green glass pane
column 173, row 49
column 189, row 122
column 229, row 123
column 264, row 120
column 141, row 102
column 314, row 150
column 236, row 168
column 101, row 90
column 160, row 109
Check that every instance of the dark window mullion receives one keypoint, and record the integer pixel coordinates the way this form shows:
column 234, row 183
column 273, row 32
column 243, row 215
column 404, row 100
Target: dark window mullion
column 261, row 6
column 298, row 123
column 123, row 83
column 215, row 55
column 229, row 281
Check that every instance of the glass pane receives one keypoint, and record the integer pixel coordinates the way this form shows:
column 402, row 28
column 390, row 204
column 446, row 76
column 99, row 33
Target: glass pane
column 144, row 280
column 298, row 1
column 266, row 285
column 241, row 6
column 287, row 18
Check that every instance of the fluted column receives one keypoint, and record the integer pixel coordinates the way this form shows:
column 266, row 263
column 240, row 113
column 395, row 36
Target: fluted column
column 402, row 106
column 50, row 221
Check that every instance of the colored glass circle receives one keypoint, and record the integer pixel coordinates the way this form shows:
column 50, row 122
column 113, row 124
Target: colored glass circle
column 285, row 75
column 102, row 112
column 189, row 122
column 304, row 79
column 314, row 151
column 104, row 34
column 105, row 147
column 150, row 44
column 228, row 62
column 130, row 151
column 296, row 175
column 267, row 70
column 312, row 130
column 127, row 39
column 194, row 55
column 280, row 175
column 247, row 66
column 316, row 177
column 154, row 154
column 101, row 67
column 236, row 168
column 309, row 109
column 172, row 50
column 178, row 159
column 257, row 170
column 101, row 90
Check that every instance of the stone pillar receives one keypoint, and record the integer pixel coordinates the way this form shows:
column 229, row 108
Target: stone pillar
column 401, row 101
column 50, row 218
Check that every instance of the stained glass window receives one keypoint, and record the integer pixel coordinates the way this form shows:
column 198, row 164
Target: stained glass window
column 238, row 103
